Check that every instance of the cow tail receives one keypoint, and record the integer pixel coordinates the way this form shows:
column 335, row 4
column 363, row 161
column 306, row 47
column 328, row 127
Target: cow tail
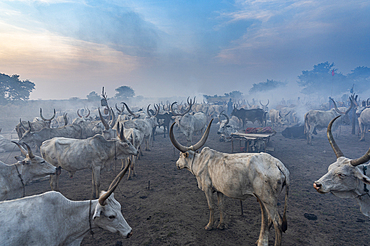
column 284, row 226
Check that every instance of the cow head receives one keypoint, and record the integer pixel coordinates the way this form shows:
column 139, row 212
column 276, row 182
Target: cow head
column 107, row 213
column 187, row 154
column 124, row 147
column 344, row 178
column 34, row 166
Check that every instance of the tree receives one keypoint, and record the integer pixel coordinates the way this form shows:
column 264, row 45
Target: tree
column 266, row 86
column 13, row 89
column 124, row 92
column 93, row 96
column 323, row 80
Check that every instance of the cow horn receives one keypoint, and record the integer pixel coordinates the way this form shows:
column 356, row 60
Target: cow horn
column 203, row 140
column 88, row 114
column 78, row 113
column 114, row 184
column 106, row 126
column 24, row 152
column 120, row 111
column 30, row 154
column 361, row 160
column 148, row 112
column 332, row 142
column 335, row 106
column 227, row 119
column 352, row 104
column 42, row 117
column 21, row 124
column 129, row 110
column 65, row 119
column 195, row 147
column 177, row 145
column 113, row 121
column 120, row 132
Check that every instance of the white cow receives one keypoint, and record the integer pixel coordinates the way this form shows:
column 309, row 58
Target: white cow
column 13, row 178
column 189, row 124
column 364, row 122
column 318, row 119
column 92, row 153
column 227, row 127
column 51, row 219
column 136, row 138
column 344, row 178
column 238, row 176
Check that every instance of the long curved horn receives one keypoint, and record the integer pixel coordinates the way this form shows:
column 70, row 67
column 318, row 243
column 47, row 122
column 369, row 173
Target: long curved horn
column 120, row 133
column 227, row 119
column 30, row 154
column 23, row 151
column 129, row 110
column 113, row 121
column 332, row 142
column 78, row 113
column 335, row 106
column 21, row 124
column 148, row 112
column 42, row 117
column 120, row 111
column 176, row 114
column 114, row 184
column 361, row 160
column 268, row 101
column 105, row 124
column 352, row 104
column 203, row 140
column 65, row 119
column 177, row 145
column 88, row 114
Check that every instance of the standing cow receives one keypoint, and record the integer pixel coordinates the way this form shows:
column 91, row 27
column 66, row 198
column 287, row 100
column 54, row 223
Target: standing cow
column 92, row 153
column 344, row 178
column 238, row 176
column 51, row 219
column 13, row 178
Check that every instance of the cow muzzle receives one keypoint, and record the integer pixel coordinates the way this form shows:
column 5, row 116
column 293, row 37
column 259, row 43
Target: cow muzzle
column 129, row 235
column 318, row 187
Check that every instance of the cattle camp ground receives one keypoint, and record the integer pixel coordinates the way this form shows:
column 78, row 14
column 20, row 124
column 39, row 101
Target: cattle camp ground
column 164, row 206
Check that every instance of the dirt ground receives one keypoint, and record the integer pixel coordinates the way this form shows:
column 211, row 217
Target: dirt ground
column 164, row 206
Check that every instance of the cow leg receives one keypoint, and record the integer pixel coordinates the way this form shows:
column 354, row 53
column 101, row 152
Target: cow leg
column 264, row 233
column 277, row 221
column 208, row 193
column 220, row 200
column 96, row 181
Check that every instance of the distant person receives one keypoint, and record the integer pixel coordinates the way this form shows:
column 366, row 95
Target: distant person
column 229, row 107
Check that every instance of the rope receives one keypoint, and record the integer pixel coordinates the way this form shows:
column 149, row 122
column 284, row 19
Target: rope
column 91, row 231
column 20, row 177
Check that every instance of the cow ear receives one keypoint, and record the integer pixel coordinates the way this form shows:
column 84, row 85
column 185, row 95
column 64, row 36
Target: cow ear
column 98, row 211
column 362, row 177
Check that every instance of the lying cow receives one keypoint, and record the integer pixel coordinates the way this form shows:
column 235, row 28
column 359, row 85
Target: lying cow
column 92, row 153
column 227, row 127
column 238, row 176
column 13, row 178
column 51, row 219
column 296, row 131
column 344, row 178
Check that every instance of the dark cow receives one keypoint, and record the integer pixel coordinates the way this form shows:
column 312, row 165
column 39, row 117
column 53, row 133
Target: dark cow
column 250, row 115
column 296, row 131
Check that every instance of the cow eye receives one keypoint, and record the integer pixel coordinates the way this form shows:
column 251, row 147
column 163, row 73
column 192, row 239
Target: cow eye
column 112, row 217
column 341, row 175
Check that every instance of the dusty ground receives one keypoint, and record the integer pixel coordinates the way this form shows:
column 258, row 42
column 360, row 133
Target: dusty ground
column 164, row 206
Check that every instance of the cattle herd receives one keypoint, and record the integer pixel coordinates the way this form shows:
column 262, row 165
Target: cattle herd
column 97, row 138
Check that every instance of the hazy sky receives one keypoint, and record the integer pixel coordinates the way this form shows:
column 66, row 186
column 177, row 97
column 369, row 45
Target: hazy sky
column 161, row 48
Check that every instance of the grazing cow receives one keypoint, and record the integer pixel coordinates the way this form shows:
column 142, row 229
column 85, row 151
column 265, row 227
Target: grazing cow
column 238, row 176
column 296, row 131
column 92, row 153
column 52, row 219
column 250, row 115
column 13, row 178
column 364, row 122
column 344, row 178
column 227, row 127
column 318, row 119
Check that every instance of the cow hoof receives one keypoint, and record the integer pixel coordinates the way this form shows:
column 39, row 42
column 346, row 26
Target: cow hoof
column 208, row 228
column 221, row 226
